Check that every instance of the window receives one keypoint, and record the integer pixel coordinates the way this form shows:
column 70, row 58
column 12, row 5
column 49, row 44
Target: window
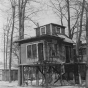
column 32, row 51
column 29, row 51
column 82, row 51
column 63, row 31
column 57, row 29
column 52, row 49
column 43, row 30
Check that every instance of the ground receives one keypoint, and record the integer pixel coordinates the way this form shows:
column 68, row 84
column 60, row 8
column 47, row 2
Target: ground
column 14, row 84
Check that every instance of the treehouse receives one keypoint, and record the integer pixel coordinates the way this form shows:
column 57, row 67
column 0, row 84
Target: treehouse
column 45, row 54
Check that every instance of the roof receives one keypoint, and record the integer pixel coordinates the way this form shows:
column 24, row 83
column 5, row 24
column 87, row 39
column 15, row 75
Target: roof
column 52, row 24
column 66, row 39
column 58, row 37
column 39, row 38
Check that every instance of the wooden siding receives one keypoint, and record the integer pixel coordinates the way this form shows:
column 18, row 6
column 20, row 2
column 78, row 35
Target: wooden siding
column 62, row 31
column 53, row 30
column 23, row 53
column 38, row 31
column 48, row 32
column 24, row 59
column 48, row 29
column 5, row 75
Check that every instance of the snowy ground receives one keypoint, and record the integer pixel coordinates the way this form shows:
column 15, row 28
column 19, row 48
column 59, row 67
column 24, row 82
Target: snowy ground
column 14, row 84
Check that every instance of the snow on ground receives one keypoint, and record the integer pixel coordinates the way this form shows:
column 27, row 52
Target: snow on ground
column 14, row 84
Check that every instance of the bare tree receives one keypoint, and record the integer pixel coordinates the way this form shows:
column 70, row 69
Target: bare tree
column 63, row 9
column 87, row 44
column 68, row 10
column 13, row 3
column 80, row 31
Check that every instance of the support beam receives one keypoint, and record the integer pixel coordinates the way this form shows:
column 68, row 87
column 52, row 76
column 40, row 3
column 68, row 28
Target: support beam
column 19, row 76
column 23, row 75
column 37, row 77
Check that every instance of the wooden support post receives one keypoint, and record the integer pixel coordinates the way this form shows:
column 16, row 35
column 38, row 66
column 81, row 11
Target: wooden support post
column 73, row 78
column 19, row 76
column 31, row 75
column 46, row 80
column 61, row 75
column 23, row 75
column 80, row 80
column 42, row 76
column 37, row 77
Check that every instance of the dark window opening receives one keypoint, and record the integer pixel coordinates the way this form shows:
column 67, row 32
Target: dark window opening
column 63, row 31
column 32, row 51
column 40, row 51
column 43, row 30
column 29, row 54
column 57, row 29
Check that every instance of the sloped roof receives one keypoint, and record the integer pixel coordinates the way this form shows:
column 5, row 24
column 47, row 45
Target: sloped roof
column 66, row 39
column 38, row 38
column 51, row 24
column 59, row 36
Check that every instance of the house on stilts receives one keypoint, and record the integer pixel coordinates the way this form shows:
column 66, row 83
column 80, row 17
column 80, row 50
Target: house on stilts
column 47, row 57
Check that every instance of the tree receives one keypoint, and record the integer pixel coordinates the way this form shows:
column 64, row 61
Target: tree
column 80, row 31
column 13, row 3
column 87, row 44
column 67, row 10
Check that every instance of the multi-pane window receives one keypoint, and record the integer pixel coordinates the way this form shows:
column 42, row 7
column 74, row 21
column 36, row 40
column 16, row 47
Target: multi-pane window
column 32, row 51
column 57, row 29
column 43, row 30
column 82, row 51
column 63, row 31
column 29, row 51
column 52, row 49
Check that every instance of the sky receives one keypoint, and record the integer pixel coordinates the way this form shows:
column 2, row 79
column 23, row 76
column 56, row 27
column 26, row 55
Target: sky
column 3, row 18
column 1, row 36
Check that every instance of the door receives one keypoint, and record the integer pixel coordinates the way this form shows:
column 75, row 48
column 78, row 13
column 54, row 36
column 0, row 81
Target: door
column 67, row 54
column 40, row 52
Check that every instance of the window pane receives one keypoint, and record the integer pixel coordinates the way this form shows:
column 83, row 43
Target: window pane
column 57, row 29
column 43, row 30
column 63, row 31
column 34, row 50
column 29, row 51
column 52, row 49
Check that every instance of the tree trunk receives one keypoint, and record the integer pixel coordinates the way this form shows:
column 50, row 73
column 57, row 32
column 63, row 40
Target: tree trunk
column 21, row 8
column 10, row 59
column 68, row 9
column 4, row 55
column 7, row 50
column 79, row 36
column 87, row 45
column 80, row 31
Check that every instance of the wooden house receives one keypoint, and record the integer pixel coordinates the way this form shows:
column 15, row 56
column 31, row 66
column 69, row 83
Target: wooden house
column 46, row 52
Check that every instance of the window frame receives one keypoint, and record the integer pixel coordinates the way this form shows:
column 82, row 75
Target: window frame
column 41, row 31
column 59, row 29
column 32, row 50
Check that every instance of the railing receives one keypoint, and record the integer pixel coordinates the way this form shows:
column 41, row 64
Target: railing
column 56, row 59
